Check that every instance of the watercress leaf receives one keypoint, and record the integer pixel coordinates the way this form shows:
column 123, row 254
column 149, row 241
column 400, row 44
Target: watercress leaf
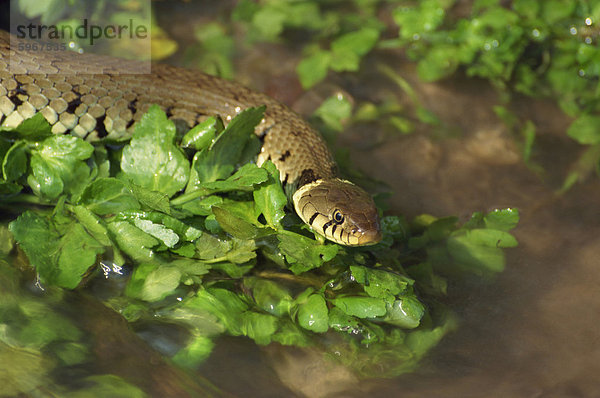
column 269, row 296
column 210, row 247
column 5, row 145
column 584, row 130
column 58, row 165
column 159, row 231
column 183, row 230
column 138, row 278
column 335, row 111
column 242, row 251
column 202, row 135
column 194, row 353
column 303, row 253
column 234, row 225
column 342, row 322
column 14, row 164
column 190, row 266
column 35, row 128
column 488, row 237
column 151, row 159
column 219, row 160
column 289, row 333
column 39, row 240
column 470, row 254
column 202, row 206
column 259, row 327
column 422, row 340
column 379, row 283
column 225, row 305
column 108, row 196
column 313, row 68
column 244, row 179
column 77, row 253
column 406, row 312
column 92, row 224
column 151, row 200
column 502, row 219
column 313, row 314
column 361, row 307
column 107, row 385
column 269, row 197
column 9, row 188
column 134, row 242
column 235, row 271
column 160, row 282
column 359, row 42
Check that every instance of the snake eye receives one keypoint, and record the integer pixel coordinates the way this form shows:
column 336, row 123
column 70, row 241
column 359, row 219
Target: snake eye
column 338, row 217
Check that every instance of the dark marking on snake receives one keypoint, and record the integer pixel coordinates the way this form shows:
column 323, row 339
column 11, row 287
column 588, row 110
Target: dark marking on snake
column 327, row 225
column 285, row 155
column 100, row 127
column 307, row 176
column 312, row 219
column 73, row 104
column 333, row 229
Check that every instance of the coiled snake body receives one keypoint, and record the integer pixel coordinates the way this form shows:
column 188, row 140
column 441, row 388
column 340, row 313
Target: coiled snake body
column 95, row 98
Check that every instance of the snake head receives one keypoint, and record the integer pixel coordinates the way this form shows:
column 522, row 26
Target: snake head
column 340, row 211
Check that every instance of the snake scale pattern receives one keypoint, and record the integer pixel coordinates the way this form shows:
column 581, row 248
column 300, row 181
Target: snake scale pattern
column 95, row 98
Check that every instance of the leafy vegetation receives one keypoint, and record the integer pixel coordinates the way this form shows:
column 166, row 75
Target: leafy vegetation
column 211, row 247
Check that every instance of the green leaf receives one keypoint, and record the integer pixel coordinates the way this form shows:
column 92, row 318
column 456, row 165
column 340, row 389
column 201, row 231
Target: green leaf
column 193, row 354
column 335, row 111
column 59, row 260
column 108, row 196
column 77, row 253
column 219, row 160
column 234, row 225
column 259, row 327
column 14, row 164
column 304, row 253
column 380, row 284
column 313, row 68
column 406, row 312
column 269, row 296
column 269, row 197
column 502, row 219
column 151, row 200
column 35, row 128
column 585, row 130
column 107, row 385
column 58, row 165
column 159, row 283
column 151, row 159
column 361, row 307
column 202, row 135
column 39, row 241
column 133, row 241
column 92, row 224
column 244, row 179
column 312, row 314
column 159, row 231
column 359, row 42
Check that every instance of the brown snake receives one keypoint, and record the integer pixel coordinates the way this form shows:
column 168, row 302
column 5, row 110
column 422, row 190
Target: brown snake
column 94, row 97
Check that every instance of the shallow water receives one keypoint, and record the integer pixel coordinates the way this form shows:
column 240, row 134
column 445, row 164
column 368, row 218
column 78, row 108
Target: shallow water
column 530, row 332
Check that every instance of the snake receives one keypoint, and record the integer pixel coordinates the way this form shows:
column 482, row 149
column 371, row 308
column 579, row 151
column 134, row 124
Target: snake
column 97, row 98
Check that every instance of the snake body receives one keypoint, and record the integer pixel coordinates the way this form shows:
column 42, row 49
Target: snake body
column 96, row 98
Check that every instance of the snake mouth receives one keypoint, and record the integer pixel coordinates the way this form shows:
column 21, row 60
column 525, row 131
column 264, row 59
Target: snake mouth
column 370, row 237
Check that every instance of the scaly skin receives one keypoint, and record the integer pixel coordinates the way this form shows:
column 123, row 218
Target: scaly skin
column 94, row 97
